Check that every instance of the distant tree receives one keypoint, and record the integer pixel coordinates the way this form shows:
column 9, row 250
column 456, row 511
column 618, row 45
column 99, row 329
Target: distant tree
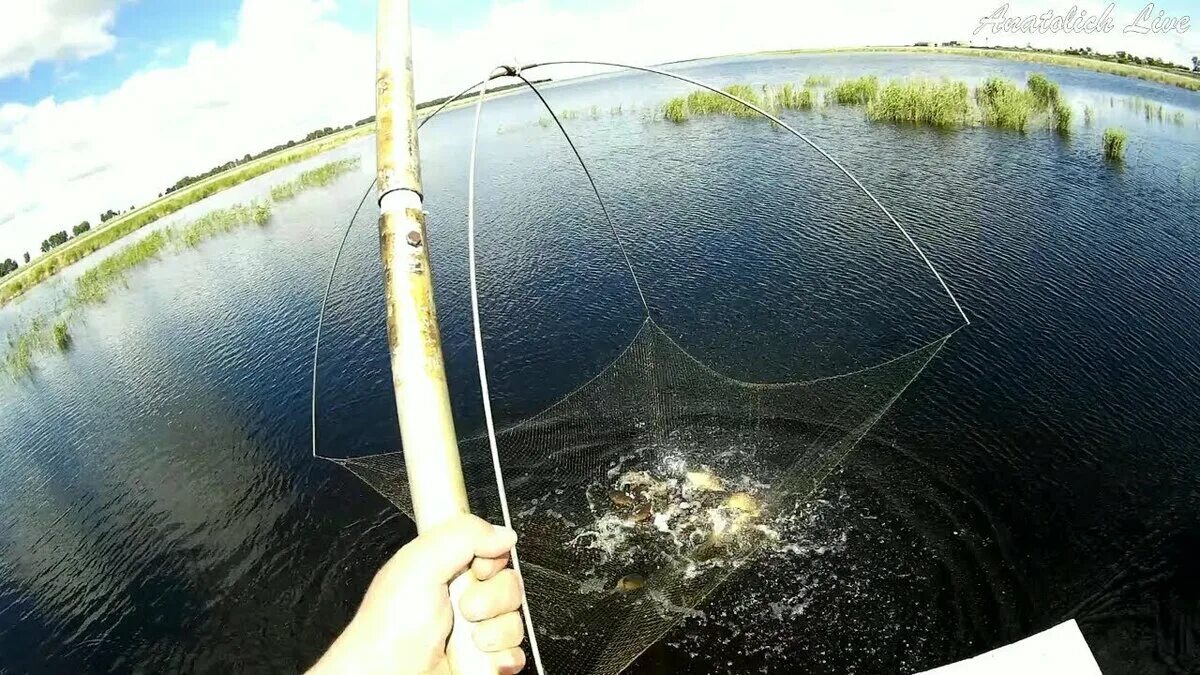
column 56, row 239
column 26, row 257
column 1196, row 63
column 7, row 266
column 81, row 228
column 108, row 215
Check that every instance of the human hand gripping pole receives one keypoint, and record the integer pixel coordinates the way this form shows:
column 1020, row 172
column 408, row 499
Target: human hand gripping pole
column 410, row 617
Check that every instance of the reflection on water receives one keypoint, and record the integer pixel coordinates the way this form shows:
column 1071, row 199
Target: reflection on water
column 160, row 511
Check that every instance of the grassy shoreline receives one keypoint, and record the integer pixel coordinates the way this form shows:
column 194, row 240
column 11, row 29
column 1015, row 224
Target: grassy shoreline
column 50, row 331
column 49, row 264
column 86, row 244
column 1178, row 79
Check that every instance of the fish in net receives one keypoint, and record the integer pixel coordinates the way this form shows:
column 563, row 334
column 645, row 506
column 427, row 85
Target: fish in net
column 637, row 494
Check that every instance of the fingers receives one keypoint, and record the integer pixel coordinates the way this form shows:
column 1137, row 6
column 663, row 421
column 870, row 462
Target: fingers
column 500, row 633
column 498, row 595
column 446, row 551
column 509, row 661
column 486, row 568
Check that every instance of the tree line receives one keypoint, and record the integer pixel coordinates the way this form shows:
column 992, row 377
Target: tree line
column 310, row 136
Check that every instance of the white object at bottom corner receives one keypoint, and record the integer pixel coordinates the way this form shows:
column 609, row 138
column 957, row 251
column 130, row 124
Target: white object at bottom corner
column 1060, row 650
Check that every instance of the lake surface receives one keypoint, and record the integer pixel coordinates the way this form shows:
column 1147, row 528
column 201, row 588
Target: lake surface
column 160, row 509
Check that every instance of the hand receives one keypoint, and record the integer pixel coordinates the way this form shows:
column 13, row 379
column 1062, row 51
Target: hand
column 405, row 618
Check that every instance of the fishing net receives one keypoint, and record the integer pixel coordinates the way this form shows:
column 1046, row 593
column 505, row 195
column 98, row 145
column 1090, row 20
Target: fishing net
column 640, row 491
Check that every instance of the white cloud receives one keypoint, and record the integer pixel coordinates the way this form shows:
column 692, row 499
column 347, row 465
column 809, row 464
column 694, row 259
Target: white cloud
column 287, row 71
column 290, row 69
column 54, row 30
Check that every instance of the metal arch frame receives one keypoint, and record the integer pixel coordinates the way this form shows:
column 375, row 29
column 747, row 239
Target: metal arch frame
column 505, row 71
column 511, row 71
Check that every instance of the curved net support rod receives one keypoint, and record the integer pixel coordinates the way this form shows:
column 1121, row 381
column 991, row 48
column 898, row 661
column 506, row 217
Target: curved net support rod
column 595, row 190
column 797, row 134
column 483, row 380
column 642, row 490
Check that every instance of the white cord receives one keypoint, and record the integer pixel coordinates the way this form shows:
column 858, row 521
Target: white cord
column 483, row 382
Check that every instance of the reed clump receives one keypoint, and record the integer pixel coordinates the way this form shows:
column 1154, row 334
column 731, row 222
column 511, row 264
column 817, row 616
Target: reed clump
column 223, row 221
column 38, row 336
column 817, row 81
column 319, row 177
column 676, row 110
column 1045, row 92
column 62, row 335
column 704, row 102
column 94, row 285
column 1004, row 105
column 45, row 333
column 856, row 91
column 1089, row 116
column 791, row 97
column 1061, row 117
column 1113, row 143
column 944, row 103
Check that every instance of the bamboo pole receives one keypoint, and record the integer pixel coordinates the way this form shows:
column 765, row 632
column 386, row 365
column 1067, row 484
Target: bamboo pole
column 418, row 374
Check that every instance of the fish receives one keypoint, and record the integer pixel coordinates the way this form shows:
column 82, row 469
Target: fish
column 743, row 502
column 630, row 583
column 704, row 481
column 619, row 498
column 641, row 514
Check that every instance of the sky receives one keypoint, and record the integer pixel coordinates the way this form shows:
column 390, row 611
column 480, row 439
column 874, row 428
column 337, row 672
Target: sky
column 104, row 103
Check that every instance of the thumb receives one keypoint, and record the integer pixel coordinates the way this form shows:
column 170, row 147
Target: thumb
column 443, row 552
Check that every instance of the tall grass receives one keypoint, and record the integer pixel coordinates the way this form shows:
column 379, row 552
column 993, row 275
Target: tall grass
column 1045, row 93
column 62, row 336
column 704, row 102
column 942, row 103
column 1004, row 105
column 676, row 109
column 319, row 177
column 223, row 221
column 857, row 91
column 817, row 81
column 94, row 286
column 1089, row 116
column 1113, row 144
column 87, row 244
column 1061, row 117
column 791, row 97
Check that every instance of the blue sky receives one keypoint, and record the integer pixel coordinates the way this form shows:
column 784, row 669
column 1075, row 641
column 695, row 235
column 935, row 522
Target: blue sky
column 148, row 33
column 152, row 33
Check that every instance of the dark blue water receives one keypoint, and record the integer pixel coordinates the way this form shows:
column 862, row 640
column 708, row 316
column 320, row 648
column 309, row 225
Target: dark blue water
column 160, row 510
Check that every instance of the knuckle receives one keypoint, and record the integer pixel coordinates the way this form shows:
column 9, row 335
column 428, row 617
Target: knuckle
column 502, row 632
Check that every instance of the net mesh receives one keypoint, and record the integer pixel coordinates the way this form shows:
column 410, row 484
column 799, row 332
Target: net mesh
column 636, row 495
column 642, row 490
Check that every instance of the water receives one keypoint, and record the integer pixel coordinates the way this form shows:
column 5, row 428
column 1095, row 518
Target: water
column 160, row 511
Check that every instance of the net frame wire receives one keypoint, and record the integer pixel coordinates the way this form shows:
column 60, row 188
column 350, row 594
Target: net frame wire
column 491, row 433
